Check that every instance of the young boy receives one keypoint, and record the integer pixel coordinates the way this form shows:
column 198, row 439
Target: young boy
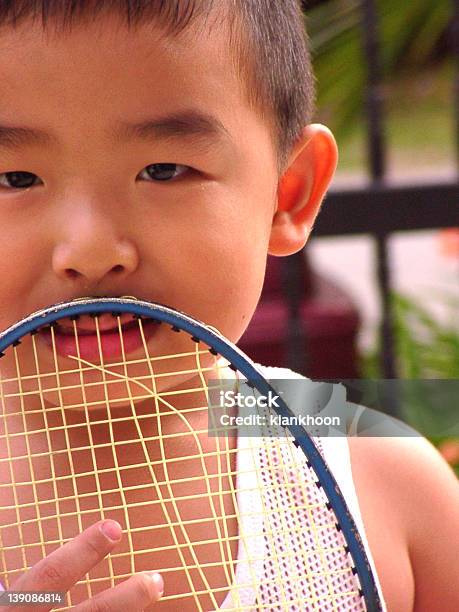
column 162, row 150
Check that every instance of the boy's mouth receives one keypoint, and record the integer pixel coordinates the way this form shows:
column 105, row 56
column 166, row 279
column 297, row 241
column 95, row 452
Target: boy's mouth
column 106, row 337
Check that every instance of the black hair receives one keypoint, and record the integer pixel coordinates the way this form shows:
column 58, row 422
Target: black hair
column 267, row 38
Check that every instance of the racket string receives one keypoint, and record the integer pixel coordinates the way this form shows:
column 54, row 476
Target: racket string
column 232, row 551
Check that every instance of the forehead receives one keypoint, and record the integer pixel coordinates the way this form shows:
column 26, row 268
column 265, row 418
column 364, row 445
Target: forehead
column 104, row 70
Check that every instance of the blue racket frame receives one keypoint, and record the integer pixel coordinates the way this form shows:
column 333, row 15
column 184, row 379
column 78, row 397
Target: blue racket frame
column 239, row 360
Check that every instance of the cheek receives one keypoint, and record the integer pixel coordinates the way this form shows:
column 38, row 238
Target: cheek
column 220, row 276
column 21, row 257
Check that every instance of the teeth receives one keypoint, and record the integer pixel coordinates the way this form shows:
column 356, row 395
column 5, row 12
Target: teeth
column 88, row 325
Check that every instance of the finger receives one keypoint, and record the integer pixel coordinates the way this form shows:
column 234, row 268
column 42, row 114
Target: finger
column 60, row 570
column 134, row 594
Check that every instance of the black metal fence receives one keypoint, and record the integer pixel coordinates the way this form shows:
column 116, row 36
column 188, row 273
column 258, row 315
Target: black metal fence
column 381, row 208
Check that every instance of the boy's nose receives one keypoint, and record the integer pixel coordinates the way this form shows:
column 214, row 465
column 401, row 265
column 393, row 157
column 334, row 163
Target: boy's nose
column 93, row 251
column 103, row 262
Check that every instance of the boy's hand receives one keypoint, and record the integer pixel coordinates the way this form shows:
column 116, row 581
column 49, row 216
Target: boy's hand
column 60, row 570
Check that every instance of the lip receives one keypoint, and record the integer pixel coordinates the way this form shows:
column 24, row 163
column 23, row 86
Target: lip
column 89, row 345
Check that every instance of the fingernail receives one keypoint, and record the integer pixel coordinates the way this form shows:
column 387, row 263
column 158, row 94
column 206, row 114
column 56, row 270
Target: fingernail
column 159, row 582
column 111, row 530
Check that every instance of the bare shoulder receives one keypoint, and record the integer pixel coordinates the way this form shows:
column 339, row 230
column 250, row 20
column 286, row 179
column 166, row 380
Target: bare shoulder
column 409, row 492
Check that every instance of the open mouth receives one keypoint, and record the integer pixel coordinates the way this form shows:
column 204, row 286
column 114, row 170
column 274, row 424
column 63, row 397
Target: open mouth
column 98, row 338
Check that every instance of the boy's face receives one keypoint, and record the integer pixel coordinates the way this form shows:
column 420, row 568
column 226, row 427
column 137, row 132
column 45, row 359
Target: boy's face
column 95, row 219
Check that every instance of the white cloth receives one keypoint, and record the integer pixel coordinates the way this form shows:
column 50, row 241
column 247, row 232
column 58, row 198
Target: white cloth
column 292, row 587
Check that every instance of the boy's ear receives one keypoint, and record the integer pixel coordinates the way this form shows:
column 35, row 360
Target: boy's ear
column 302, row 188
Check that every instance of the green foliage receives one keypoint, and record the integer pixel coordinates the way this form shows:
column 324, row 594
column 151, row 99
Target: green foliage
column 425, row 349
column 409, row 38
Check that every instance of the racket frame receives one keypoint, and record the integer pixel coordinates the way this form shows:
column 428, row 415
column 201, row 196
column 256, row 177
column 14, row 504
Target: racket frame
column 201, row 332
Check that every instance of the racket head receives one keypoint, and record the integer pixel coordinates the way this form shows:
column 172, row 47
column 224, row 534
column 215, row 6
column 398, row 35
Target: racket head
column 77, row 384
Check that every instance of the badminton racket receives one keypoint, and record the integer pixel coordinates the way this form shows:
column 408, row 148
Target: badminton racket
column 106, row 407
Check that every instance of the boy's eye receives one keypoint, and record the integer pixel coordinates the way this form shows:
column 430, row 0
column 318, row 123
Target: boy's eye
column 19, row 180
column 162, row 172
column 157, row 172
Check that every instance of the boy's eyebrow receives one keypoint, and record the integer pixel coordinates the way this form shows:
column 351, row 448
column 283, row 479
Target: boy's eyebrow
column 192, row 124
column 11, row 136
column 196, row 126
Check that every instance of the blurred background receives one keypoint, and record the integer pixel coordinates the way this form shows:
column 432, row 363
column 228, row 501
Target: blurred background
column 375, row 294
